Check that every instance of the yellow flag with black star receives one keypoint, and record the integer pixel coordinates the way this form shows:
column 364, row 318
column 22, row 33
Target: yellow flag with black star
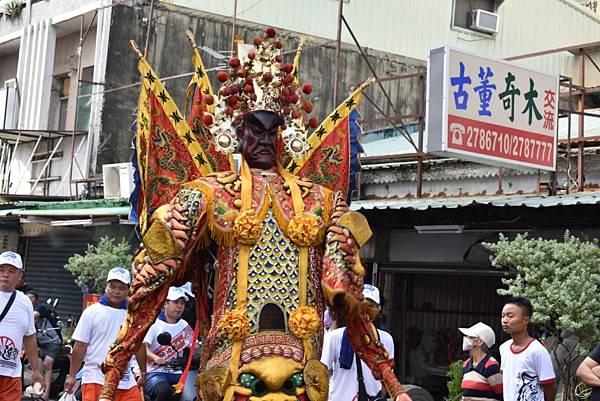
column 199, row 91
column 168, row 154
column 327, row 161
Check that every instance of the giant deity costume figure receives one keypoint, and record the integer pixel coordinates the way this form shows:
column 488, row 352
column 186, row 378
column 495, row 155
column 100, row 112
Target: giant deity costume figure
column 286, row 249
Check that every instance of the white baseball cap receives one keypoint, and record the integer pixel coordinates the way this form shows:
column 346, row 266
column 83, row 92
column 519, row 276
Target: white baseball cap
column 187, row 288
column 11, row 258
column 371, row 292
column 120, row 274
column 176, row 293
column 481, row 331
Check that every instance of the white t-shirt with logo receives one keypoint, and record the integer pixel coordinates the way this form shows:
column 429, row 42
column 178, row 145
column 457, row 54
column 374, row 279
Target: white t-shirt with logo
column 17, row 323
column 524, row 372
column 343, row 384
column 181, row 337
column 98, row 327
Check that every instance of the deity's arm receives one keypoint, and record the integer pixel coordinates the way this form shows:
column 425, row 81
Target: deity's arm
column 176, row 230
column 342, row 283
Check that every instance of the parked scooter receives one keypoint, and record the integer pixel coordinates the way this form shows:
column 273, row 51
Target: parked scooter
column 60, row 367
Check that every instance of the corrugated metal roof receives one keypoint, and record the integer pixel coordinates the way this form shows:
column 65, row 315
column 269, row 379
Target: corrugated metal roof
column 452, row 170
column 533, row 201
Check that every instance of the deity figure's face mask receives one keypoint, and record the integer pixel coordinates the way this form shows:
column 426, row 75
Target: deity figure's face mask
column 259, row 135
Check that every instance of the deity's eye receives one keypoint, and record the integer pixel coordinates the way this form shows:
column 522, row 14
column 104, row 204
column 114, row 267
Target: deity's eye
column 290, row 385
column 258, row 387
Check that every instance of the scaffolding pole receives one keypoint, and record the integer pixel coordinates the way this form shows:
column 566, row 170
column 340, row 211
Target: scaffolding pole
column 404, row 131
column 82, row 37
column 580, row 175
column 46, row 165
column 338, row 47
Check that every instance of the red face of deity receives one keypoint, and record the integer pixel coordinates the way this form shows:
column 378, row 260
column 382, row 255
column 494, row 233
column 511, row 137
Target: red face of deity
column 260, row 139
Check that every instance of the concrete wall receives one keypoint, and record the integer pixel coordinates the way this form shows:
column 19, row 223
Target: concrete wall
column 65, row 63
column 169, row 54
column 65, row 55
column 8, row 67
column 411, row 27
column 58, row 11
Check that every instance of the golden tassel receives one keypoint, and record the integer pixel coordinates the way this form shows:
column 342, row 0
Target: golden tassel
column 308, row 351
column 303, row 277
column 246, row 186
column 236, row 352
column 242, row 270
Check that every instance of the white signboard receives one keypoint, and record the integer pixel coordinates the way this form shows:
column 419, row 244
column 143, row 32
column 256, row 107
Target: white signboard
column 490, row 111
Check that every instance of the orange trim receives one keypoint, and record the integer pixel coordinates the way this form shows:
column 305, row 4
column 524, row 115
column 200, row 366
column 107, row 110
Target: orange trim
column 518, row 352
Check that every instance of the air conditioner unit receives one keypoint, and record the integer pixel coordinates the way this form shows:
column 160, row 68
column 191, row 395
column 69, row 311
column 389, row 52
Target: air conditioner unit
column 118, row 180
column 9, row 105
column 484, row 21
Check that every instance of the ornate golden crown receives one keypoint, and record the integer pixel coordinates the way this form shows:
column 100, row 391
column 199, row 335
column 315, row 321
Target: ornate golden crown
column 259, row 80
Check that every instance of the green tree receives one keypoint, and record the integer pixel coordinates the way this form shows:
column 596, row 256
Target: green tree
column 92, row 268
column 561, row 278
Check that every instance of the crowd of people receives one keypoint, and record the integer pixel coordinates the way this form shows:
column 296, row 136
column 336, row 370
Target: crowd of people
column 525, row 372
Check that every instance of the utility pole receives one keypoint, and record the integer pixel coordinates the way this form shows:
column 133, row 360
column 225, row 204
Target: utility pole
column 149, row 29
column 336, row 72
column 233, row 26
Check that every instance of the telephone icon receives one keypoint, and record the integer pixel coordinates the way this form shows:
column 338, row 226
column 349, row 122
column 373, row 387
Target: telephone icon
column 458, row 132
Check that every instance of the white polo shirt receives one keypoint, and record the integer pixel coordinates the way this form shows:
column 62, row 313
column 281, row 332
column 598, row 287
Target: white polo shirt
column 343, row 384
column 17, row 323
column 99, row 327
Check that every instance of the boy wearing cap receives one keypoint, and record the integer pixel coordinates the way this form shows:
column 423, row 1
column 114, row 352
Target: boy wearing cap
column 341, row 360
column 161, row 378
column 17, row 329
column 482, row 379
column 527, row 371
column 96, row 331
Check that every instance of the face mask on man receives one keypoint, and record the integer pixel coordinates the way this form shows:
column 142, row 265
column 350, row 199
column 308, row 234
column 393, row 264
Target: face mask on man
column 467, row 344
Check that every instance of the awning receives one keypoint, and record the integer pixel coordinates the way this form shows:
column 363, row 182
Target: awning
column 532, row 201
column 98, row 211
column 80, row 212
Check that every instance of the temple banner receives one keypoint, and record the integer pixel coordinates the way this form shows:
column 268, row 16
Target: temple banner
column 490, row 111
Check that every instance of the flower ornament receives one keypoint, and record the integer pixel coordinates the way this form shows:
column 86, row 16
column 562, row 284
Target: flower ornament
column 304, row 322
column 247, row 228
column 303, row 229
column 234, row 324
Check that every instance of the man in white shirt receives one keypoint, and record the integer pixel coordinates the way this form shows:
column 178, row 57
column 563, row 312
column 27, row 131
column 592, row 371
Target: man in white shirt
column 341, row 360
column 96, row 331
column 162, row 377
column 17, row 329
column 527, row 372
